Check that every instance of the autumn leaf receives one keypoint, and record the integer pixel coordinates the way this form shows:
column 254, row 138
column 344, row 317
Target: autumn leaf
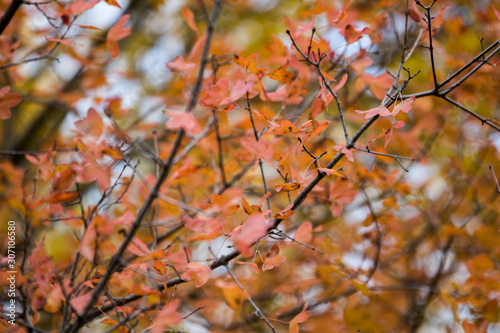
column 113, row 3
column 198, row 273
column 59, row 40
column 188, row 16
column 273, row 259
column 167, row 317
column 80, row 302
column 404, row 106
column 116, row 33
column 469, row 327
column 249, row 62
column 180, row 65
column 7, row 101
column 184, row 120
column 91, row 125
column 300, row 318
column 251, row 231
column 352, row 35
column 381, row 110
column 345, row 151
column 253, row 209
column 286, row 127
column 77, row 7
column 287, row 187
column 233, row 295
column 331, row 172
column 281, row 74
column 304, row 232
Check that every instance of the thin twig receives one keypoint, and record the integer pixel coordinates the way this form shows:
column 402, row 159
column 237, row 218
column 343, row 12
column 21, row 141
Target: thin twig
column 282, row 234
column 396, row 157
column 257, row 309
column 495, row 178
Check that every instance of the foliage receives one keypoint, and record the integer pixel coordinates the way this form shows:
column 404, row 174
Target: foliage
column 179, row 166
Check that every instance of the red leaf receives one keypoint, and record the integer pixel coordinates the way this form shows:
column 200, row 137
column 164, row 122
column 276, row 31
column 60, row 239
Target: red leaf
column 117, row 32
column 197, row 272
column 7, row 101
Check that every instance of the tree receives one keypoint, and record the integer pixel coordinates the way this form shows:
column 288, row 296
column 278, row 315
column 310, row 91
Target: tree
column 223, row 170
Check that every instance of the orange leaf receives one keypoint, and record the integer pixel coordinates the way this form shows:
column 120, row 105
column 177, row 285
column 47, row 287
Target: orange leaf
column 188, row 16
column 117, row 32
column 108, row 321
column 272, row 262
column 58, row 40
column 62, row 197
column 250, row 209
column 285, row 128
column 472, row 328
column 281, row 74
column 113, row 3
column 331, row 172
column 7, row 101
column 300, row 318
column 197, row 272
column 167, row 317
column 182, row 120
column 304, row 232
column 352, row 35
column 287, row 187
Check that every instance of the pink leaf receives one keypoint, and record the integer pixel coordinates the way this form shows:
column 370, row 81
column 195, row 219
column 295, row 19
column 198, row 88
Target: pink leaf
column 254, row 229
column 117, row 32
column 341, row 83
column 379, row 110
column 7, row 101
column 197, row 272
column 304, row 232
column 404, row 106
column 398, row 124
column 182, row 120
column 180, row 65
